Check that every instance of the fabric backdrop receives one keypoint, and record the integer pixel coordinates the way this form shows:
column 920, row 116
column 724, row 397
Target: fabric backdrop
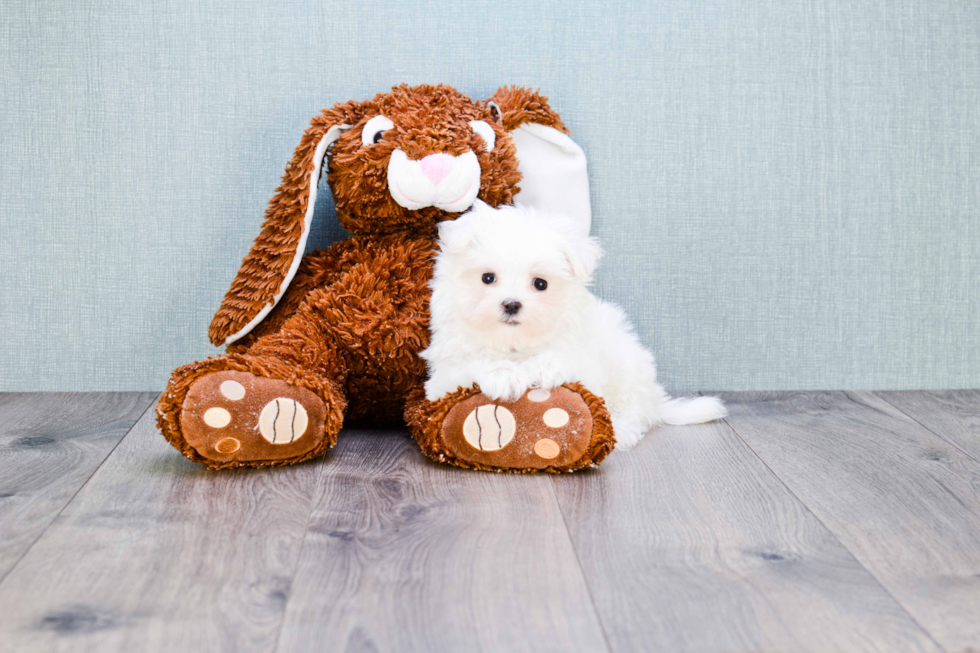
column 788, row 192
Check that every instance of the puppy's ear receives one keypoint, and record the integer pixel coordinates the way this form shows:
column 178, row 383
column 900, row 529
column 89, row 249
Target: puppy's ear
column 583, row 254
column 456, row 235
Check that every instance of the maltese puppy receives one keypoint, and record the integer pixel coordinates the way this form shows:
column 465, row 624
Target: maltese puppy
column 511, row 310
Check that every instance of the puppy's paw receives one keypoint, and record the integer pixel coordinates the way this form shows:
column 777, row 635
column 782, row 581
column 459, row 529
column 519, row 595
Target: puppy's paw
column 628, row 433
column 545, row 372
column 627, row 440
column 438, row 387
column 504, row 382
column 548, row 379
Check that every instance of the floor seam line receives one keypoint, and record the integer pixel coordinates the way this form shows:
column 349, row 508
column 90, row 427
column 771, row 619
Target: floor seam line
column 299, row 554
column 578, row 561
column 77, row 492
column 853, row 555
column 938, row 435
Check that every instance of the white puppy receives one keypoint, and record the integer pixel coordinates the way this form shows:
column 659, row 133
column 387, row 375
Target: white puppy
column 511, row 310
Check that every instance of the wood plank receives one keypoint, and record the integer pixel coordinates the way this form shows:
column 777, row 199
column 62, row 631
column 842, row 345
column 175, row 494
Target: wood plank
column 50, row 444
column 953, row 415
column 903, row 500
column 158, row 554
column 689, row 543
column 404, row 554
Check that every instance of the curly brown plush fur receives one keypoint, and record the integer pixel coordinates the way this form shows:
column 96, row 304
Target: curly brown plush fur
column 520, row 105
column 355, row 316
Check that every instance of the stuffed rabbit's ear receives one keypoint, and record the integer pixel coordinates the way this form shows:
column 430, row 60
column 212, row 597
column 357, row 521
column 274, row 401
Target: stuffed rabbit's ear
column 274, row 258
column 553, row 168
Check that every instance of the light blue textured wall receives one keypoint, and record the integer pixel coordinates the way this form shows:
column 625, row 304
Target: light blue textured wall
column 789, row 191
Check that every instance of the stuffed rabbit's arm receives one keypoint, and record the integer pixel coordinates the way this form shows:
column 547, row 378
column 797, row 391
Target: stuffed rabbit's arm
column 319, row 268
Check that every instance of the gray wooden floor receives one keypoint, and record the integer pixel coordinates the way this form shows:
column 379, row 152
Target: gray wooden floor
column 831, row 521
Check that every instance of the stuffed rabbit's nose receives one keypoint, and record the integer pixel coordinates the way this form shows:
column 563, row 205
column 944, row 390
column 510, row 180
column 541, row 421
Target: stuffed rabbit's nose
column 437, row 166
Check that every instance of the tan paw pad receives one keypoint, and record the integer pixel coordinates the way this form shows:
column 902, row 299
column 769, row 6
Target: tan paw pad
column 489, row 427
column 555, row 418
column 227, row 445
column 283, row 420
column 232, row 390
column 217, row 418
column 538, row 395
column 547, row 448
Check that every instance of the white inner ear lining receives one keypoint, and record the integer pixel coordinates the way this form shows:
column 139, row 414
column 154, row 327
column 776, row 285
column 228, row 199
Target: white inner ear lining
column 321, row 151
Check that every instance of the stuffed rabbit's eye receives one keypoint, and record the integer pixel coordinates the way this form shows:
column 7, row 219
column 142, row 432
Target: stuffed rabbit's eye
column 540, row 284
column 485, row 131
column 489, row 277
column 375, row 129
column 495, row 111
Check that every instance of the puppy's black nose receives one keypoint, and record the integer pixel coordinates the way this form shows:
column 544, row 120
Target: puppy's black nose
column 511, row 306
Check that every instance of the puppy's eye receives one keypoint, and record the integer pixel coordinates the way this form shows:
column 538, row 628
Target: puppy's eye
column 540, row 284
column 489, row 277
column 374, row 130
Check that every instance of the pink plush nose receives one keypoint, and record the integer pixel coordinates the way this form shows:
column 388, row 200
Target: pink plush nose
column 437, row 166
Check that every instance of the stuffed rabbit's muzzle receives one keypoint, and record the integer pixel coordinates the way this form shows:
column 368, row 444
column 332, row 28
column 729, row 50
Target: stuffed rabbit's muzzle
column 448, row 182
column 448, row 179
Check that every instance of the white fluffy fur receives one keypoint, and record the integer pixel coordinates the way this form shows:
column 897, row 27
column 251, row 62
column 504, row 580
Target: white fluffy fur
column 559, row 335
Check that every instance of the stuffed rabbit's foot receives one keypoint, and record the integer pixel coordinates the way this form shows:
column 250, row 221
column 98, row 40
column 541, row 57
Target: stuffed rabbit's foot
column 235, row 418
column 558, row 430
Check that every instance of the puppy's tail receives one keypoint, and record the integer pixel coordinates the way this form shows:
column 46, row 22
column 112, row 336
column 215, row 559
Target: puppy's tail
column 692, row 411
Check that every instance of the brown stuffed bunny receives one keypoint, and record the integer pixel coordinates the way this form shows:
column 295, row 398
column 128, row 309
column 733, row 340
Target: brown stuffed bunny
column 335, row 334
